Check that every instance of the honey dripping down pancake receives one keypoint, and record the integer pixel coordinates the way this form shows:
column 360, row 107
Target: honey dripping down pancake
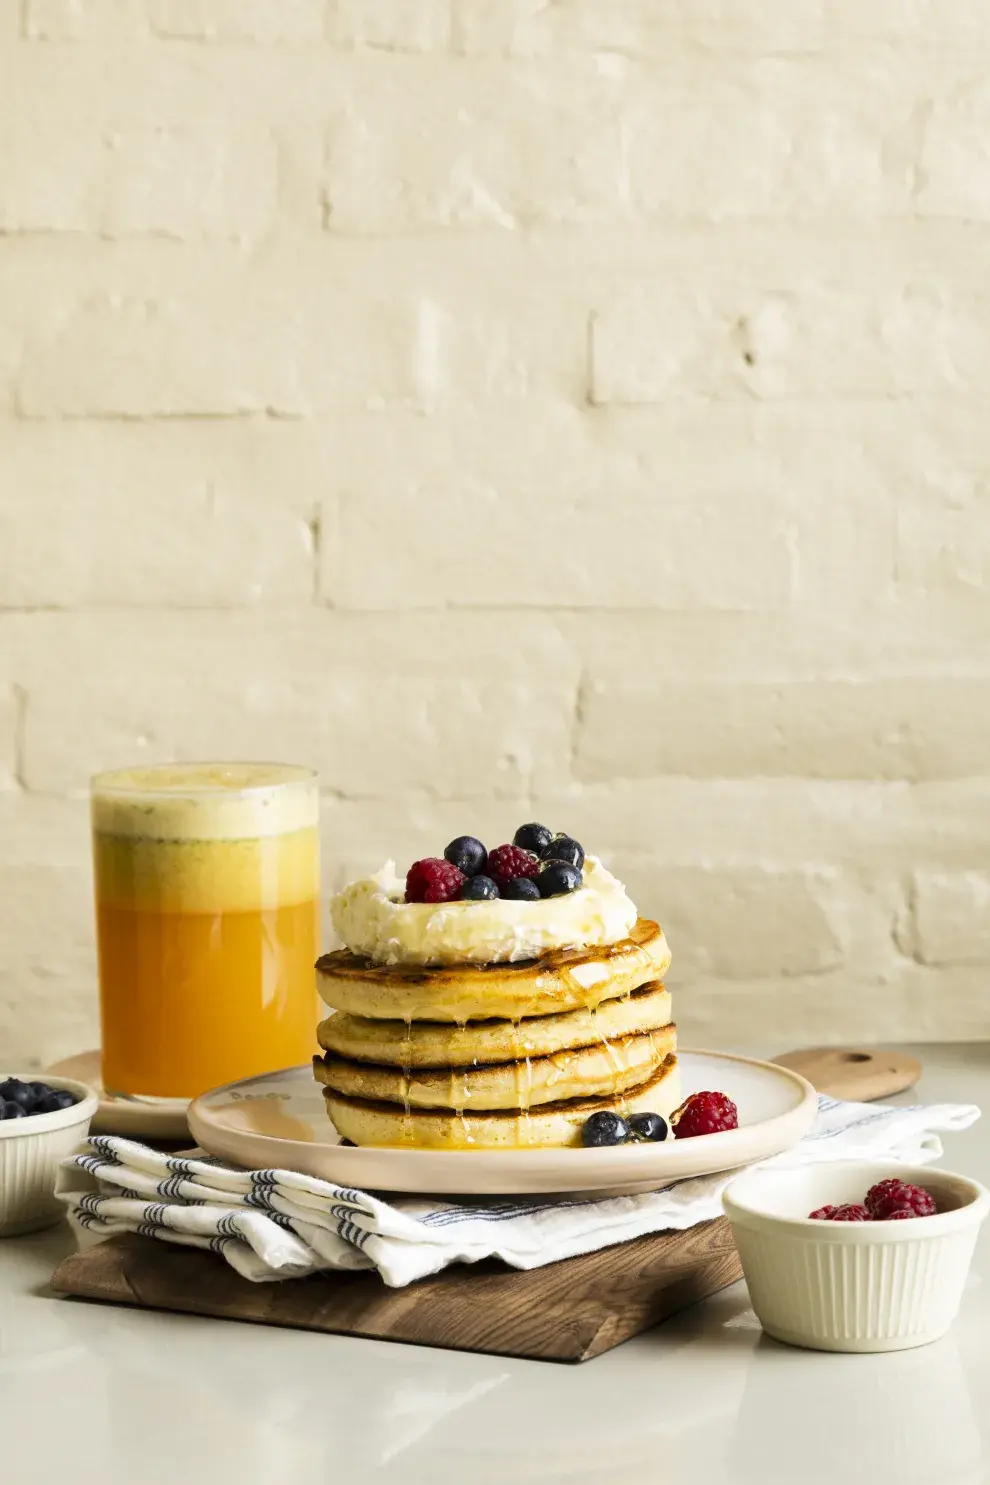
column 560, row 980
column 495, row 999
column 550, row 1125
column 606, row 1069
column 426, row 1044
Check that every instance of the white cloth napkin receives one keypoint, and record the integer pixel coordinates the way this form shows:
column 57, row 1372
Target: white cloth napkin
column 277, row 1224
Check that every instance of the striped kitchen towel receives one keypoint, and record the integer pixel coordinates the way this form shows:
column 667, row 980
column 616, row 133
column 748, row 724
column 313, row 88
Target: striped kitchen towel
column 278, row 1224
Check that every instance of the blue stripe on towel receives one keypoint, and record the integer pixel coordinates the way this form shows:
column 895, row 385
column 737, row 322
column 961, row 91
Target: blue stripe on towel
column 172, row 1185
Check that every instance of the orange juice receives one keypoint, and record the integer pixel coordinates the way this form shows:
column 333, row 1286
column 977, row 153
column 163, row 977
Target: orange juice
column 207, row 880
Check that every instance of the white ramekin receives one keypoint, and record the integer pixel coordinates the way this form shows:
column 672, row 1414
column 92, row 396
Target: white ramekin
column 853, row 1286
column 30, row 1152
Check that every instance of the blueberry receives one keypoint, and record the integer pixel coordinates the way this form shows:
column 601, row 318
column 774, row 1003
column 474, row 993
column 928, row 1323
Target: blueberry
column 533, row 838
column 11, row 1110
column 58, row 1098
column 478, row 889
column 604, row 1128
column 648, row 1127
column 565, row 848
column 522, row 889
column 467, row 854
column 40, row 1090
column 14, row 1091
column 558, row 877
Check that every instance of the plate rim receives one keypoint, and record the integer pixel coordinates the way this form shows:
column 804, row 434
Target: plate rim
column 490, row 1170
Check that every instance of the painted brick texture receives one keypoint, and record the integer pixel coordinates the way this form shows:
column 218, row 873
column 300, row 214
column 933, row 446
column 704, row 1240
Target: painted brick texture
column 514, row 410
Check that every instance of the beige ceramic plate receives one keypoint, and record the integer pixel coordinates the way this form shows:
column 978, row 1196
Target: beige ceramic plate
column 280, row 1120
column 159, row 1118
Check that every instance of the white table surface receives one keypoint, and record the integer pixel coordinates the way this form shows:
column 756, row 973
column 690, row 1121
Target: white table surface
column 95, row 1393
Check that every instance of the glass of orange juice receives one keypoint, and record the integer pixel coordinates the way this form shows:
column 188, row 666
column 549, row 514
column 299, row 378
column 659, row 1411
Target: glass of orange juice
column 207, row 885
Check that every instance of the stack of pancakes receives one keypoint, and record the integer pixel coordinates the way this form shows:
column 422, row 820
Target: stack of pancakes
column 497, row 1055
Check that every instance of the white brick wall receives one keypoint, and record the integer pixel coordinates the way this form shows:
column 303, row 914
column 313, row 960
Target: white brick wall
column 574, row 411
column 197, row 20
column 117, row 180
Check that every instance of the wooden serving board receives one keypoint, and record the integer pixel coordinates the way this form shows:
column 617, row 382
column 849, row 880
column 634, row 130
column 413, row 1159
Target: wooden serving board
column 861, row 1074
column 567, row 1311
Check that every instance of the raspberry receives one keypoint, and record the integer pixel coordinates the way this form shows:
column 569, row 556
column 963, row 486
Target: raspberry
column 899, row 1215
column 506, row 863
column 823, row 1214
column 433, row 880
column 886, row 1196
column 851, row 1213
column 704, row 1113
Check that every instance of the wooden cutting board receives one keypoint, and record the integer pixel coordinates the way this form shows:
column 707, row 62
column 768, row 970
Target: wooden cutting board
column 857, row 1073
column 567, row 1311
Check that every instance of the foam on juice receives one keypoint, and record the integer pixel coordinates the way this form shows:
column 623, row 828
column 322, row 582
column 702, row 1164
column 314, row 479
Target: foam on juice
column 207, row 879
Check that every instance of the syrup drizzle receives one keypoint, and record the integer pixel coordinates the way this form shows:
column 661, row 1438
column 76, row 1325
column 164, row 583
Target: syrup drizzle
column 566, row 991
column 407, row 1132
column 459, row 1102
column 610, row 1052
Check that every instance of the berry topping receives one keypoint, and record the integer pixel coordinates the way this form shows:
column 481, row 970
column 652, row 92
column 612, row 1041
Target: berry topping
column 822, row 1214
column 898, row 1216
column 521, row 889
column 478, row 889
column 12, row 1110
column 467, row 854
column 648, row 1127
column 564, row 848
column 506, row 863
column 604, row 1128
column 534, row 838
column 883, row 1199
column 704, row 1113
column 433, row 880
column 558, row 877
column 850, row 1213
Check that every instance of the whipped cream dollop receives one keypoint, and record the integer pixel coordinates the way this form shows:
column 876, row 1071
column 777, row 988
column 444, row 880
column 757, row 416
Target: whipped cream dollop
column 373, row 920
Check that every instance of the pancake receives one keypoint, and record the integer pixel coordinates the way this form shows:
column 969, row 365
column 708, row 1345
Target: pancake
column 552, row 1125
column 563, row 980
column 608, row 1068
column 433, row 1044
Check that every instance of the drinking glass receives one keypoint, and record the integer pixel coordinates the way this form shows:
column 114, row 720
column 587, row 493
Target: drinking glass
column 207, row 885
